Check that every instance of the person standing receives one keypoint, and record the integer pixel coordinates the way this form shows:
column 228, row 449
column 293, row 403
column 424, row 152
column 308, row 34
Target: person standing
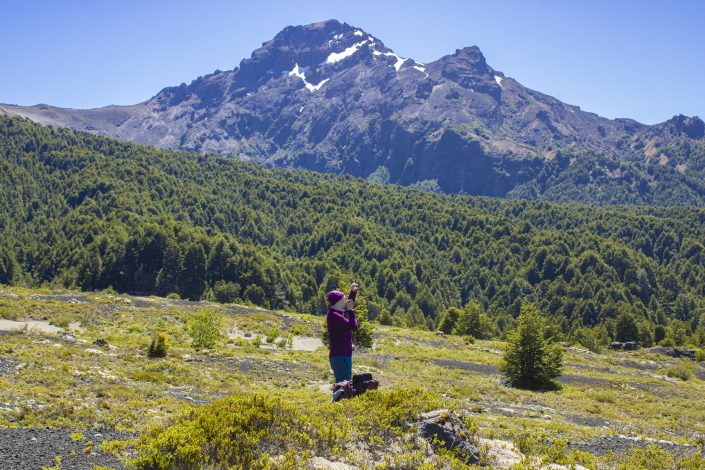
column 341, row 322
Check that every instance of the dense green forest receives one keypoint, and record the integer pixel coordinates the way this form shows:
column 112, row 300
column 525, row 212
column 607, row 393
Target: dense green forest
column 89, row 212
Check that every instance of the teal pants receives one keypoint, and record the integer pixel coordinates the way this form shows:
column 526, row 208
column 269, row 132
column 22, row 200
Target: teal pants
column 342, row 367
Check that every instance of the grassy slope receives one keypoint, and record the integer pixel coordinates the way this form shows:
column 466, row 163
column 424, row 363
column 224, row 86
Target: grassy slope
column 78, row 385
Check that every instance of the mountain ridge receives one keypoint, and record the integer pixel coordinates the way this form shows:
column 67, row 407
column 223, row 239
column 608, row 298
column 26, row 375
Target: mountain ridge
column 330, row 97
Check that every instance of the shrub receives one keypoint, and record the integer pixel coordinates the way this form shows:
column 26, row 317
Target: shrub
column 205, row 328
column 254, row 431
column 449, row 319
column 700, row 355
column 226, row 292
column 364, row 336
column 385, row 318
column 272, row 335
column 679, row 372
column 531, row 360
column 470, row 322
column 667, row 342
column 159, row 346
column 173, row 296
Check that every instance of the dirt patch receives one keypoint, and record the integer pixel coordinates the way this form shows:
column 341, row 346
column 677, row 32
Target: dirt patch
column 306, row 343
column 32, row 325
column 263, row 368
column 467, row 366
column 579, row 379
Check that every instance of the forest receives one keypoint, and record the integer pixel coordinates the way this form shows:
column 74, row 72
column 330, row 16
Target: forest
column 93, row 213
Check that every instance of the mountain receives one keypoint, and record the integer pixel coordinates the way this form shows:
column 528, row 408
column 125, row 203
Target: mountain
column 331, row 97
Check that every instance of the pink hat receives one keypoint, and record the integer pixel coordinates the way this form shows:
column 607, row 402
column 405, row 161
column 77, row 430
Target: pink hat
column 334, row 296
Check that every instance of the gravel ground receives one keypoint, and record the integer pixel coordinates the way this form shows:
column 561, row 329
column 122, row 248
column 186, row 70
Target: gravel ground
column 36, row 448
column 622, row 444
column 7, row 365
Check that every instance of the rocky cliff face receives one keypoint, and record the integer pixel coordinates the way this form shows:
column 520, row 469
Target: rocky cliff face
column 331, row 97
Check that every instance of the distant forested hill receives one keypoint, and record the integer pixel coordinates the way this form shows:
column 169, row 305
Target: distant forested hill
column 91, row 212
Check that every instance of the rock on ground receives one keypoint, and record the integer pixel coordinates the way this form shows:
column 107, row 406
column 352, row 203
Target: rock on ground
column 443, row 429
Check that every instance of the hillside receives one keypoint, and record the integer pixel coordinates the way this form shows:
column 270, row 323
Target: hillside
column 262, row 392
column 90, row 212
column 331, row 97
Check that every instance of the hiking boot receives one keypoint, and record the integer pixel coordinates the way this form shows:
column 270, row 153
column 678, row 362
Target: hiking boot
column 338, row 394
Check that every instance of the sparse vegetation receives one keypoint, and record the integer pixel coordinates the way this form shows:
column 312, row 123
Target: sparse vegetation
column 420, row 370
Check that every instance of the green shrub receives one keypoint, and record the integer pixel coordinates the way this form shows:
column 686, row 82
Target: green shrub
column 257, row 342
column 679, row 372
column 204, row 328
column 159, row 347
column 449, row 319
column 531, row 360
column 385, row 318
column 700, row 355
column 247, row 431
column 364, row 336
column 173, row 296
column 667, row 342
column 272, row 335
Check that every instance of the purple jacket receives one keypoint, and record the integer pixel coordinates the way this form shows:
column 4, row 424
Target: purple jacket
column 340, row 332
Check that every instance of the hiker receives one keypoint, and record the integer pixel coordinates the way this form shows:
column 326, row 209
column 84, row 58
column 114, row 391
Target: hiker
column 341, row 322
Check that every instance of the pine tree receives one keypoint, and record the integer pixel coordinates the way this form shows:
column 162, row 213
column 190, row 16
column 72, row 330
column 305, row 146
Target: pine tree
column 531, row 360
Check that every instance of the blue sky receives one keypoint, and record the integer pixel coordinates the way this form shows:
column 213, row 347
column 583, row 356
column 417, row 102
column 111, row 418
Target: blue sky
column 619, row 58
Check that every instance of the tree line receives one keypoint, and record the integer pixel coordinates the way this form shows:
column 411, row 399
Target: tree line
column 88, row 212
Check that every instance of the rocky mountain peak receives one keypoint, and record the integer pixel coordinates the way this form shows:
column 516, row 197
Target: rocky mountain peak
column 692, row 126
column 298, row 48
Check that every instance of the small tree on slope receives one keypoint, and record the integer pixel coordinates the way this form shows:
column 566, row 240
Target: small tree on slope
column 531, row 360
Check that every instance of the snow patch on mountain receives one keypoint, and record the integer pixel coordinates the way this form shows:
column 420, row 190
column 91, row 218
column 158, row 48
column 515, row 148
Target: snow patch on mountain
column 400, row 61
column 498, row 79
column 338, row 56
column 300, row 72
column 397, row 64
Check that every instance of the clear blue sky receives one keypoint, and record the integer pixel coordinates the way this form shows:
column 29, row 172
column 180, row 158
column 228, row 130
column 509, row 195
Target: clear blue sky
column 641, row 59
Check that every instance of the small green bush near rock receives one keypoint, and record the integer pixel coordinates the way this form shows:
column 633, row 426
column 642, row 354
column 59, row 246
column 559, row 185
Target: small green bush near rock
column 173, row 296
column 159, row 346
